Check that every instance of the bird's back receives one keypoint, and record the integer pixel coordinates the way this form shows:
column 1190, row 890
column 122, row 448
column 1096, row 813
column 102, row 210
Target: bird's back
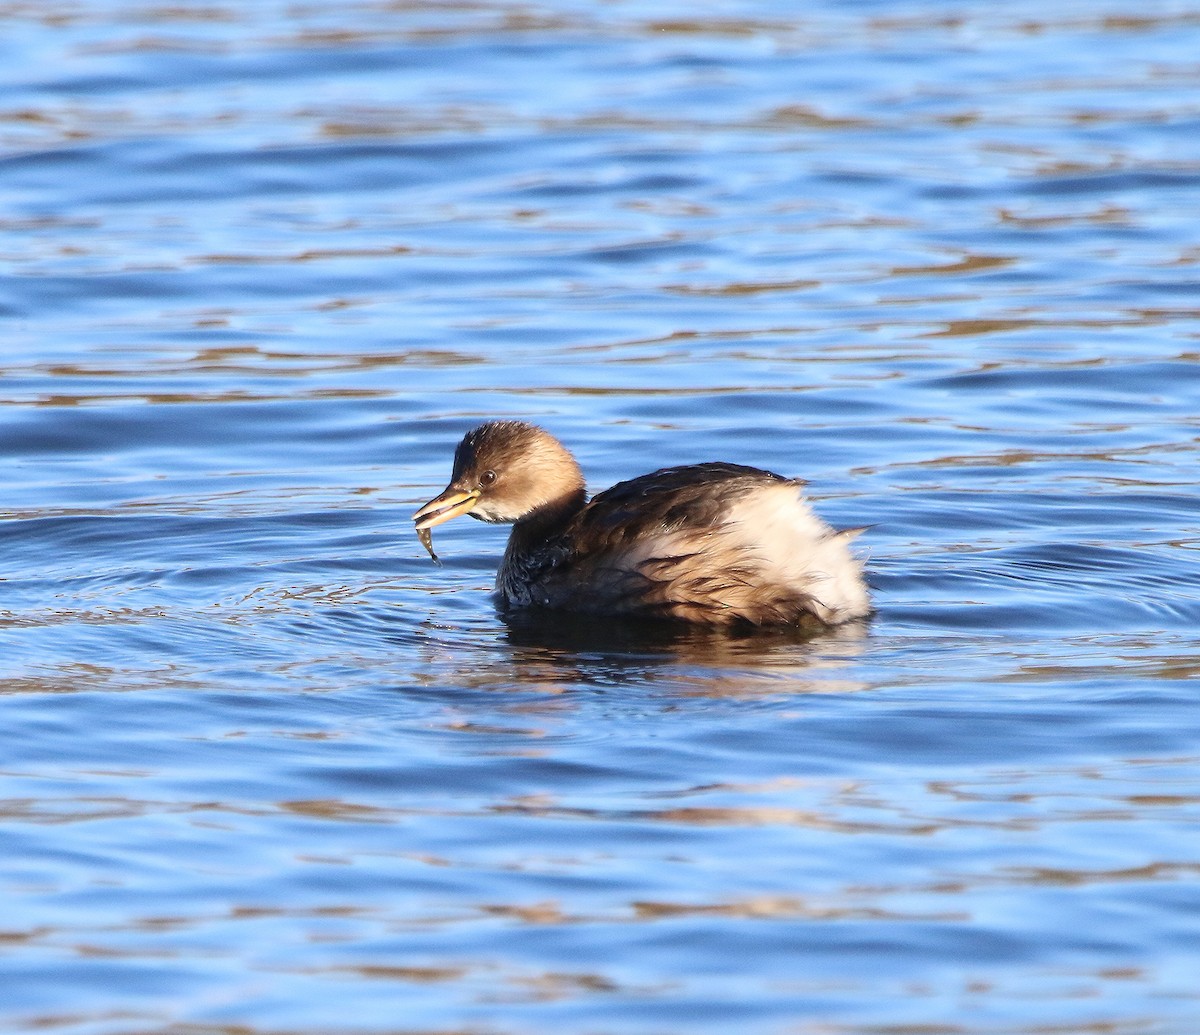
column 715, row 543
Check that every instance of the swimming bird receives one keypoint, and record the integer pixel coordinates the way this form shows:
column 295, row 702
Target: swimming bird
column 712, row 543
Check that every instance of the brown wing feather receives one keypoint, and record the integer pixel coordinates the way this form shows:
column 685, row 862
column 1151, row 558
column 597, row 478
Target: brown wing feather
column 696, row 496
column 652, row 546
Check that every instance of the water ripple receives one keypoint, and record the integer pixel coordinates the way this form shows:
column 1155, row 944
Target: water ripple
column 262, row 265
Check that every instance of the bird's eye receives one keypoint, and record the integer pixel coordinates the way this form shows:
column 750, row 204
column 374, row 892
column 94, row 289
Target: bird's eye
column 487, row 477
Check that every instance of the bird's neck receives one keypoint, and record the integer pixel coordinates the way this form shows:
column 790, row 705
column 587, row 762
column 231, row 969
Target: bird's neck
column 532, row 548
column 547, row 520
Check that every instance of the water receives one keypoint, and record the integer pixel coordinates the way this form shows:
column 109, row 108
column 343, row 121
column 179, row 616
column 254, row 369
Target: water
column 267, row 769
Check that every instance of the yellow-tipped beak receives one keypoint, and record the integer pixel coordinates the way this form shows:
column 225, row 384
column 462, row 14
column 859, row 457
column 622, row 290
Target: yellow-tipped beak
column 450, row 504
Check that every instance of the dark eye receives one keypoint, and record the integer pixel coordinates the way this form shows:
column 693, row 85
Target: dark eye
column 487, row 477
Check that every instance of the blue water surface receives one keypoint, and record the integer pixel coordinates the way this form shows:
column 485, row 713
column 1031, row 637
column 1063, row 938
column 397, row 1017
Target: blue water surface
column 266, row 769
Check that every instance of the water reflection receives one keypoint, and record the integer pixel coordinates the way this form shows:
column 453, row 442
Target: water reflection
column 552, row 649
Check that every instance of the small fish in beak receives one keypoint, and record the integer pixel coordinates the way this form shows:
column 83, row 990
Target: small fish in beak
column 426, row 538
column 450, row 503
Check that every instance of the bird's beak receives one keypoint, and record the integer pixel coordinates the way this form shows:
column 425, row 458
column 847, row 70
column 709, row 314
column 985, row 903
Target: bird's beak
column 449, row 504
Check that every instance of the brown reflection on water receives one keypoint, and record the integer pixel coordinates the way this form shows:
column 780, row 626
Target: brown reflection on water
column 549, row 650
column 84, row 677
column 504, row 983
column 242, row 359
column 967, row 264
column 187, row 398
column 1104, row 215
column 420, row 975
column 773, row 815
column 757, row 907
column 742, row 288
column 1156, row 872
column 732, row 817
column 308, row 255
column 338, row 810
column 783, row 907
column 791, row 116
column 359, row 121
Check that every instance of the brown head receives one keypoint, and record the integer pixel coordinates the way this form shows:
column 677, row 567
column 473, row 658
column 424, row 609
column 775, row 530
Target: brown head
column 507, row 471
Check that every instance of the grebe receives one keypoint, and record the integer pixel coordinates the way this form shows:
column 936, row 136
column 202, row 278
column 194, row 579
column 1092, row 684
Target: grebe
column 712, row 543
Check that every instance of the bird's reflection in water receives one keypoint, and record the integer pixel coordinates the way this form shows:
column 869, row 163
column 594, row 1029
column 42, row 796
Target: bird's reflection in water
column 560, row 648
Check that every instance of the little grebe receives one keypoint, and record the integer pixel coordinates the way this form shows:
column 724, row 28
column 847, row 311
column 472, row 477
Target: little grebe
column 711, row 543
